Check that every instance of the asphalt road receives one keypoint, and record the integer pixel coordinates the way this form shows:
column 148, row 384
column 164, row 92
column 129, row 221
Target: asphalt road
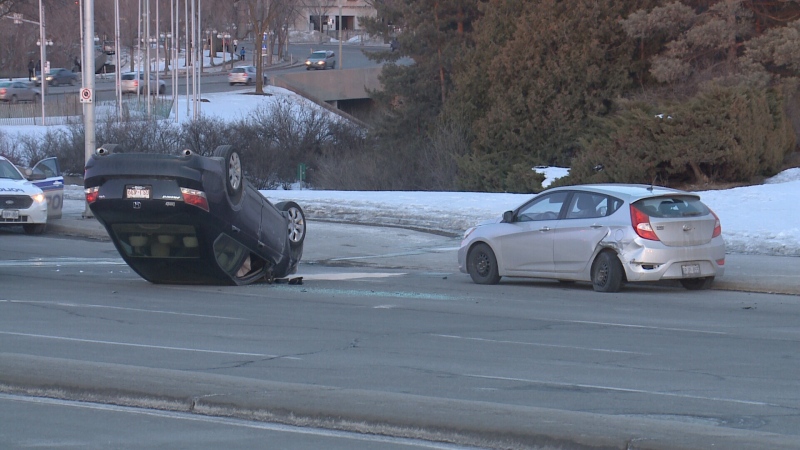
column 392, row 339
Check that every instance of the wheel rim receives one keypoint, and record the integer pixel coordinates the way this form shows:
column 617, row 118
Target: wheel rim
column 482, row 264
column 234, row 171
column 297, row 225
column 601, row 276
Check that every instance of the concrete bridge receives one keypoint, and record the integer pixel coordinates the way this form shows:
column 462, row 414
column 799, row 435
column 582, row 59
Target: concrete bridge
column 341, row 90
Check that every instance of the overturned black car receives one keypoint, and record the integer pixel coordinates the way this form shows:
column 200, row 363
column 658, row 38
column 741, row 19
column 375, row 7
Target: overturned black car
column 192, row 219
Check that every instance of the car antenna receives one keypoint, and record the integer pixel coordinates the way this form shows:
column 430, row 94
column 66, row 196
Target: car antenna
column 652, row 185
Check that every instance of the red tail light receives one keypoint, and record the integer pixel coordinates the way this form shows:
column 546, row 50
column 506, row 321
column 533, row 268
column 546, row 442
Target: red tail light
column 641, row 224
column 717, row 226
column 2, row 91
column 91, row 194
column 195, row 198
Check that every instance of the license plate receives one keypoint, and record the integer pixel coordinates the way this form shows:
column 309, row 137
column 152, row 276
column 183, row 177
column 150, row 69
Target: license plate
column 137, row 192
column 12, row 214
column 690, row 270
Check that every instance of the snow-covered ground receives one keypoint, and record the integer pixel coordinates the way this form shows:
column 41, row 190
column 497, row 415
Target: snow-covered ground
column 760, row 219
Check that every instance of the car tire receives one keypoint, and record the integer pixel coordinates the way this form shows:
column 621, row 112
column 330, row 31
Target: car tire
column 231, row 84
column 607, row 272
column 14, row 100
column 162, row 90
column 34, row 228
column 697, row 284
column 248, row 82
column 482, row 265
column 234, row 178
column 297, row 223
column 36, row 98
column 72, row 82
column 53, row 83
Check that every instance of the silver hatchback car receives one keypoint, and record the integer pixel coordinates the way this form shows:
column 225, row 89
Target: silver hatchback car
column 606, row 234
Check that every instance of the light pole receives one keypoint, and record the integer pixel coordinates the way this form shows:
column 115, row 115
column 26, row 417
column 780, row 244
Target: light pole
column 341, row 60
column 224, row 37
column 44, row 68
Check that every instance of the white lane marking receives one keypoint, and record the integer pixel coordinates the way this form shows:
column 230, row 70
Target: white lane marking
column 121, row 308
column 619, row 389
column 241, row 423
column 535, row 344
column 627, row 325
column 129, row 344
column 346, row 276
column 62, row 262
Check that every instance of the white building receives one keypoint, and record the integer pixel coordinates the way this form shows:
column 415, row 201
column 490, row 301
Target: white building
column 324, row 14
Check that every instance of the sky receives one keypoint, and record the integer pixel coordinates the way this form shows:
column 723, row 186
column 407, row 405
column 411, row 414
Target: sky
column 761, row 219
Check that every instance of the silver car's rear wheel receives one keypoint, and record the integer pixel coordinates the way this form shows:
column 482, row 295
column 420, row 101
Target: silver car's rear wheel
column 607, row 273
column 482, row 265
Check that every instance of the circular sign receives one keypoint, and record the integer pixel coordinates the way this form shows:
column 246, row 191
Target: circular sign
column 86, row 95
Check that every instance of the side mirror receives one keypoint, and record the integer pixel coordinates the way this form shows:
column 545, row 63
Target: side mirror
column 508, row 216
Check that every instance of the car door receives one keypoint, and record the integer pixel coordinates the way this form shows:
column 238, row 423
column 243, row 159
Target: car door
column 585, row 224
column 527, row 246
column 50, row 180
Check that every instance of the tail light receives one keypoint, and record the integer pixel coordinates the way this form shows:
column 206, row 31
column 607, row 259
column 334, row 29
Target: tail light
column 3, row 91
column 91, row 194
column 717, row 226
column 641, row 224
column 195, row 198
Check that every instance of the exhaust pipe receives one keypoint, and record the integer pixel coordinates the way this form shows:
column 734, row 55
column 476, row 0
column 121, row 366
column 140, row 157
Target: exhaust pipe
column 187, row 152
column 105, row 150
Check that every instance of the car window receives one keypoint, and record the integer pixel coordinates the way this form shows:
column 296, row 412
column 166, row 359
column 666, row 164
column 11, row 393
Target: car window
column 671, row 207
column 47, row 167
column 591, row 205
column 7, row 170
column 543, row 207
column 128, row 76
column 5, row 84
column 157, row 241
column 229, row 253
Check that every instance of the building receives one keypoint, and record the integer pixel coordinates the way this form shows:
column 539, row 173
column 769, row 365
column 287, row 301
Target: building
column 323, row 16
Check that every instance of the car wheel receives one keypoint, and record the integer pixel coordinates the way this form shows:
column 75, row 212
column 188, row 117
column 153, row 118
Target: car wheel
column 248, row 82
column 36, row 98
column 162, row 90
column 233, row 170
column 607, row 273
column 14, row 99
column 72, row 82
column 482, row 265
column 53, row 83
column 697, row 284
column 297, row 222
column 231, row 84
column 34, row 228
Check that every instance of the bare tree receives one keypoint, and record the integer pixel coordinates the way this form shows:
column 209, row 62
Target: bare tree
column 263, row 14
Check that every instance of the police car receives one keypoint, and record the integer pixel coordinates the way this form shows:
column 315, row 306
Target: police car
column 30, row 197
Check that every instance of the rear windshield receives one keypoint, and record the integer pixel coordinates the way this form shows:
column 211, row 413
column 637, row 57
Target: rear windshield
column 675, row 206
column 128, row 76
column 239, row 70
column 157, row 240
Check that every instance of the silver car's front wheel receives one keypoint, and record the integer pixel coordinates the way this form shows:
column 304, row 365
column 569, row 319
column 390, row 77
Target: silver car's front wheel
column 482, row 265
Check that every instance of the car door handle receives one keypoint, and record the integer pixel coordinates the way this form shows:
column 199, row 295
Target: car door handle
column 544, row 229
column 595, row 225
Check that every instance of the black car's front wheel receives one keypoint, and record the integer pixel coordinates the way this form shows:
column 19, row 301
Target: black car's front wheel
column 297, row 222
column 233, row 170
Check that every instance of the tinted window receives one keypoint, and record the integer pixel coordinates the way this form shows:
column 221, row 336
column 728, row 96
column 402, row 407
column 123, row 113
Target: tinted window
column 157, row 241
column 128, row 76
column 590, row 205
column 675, row 206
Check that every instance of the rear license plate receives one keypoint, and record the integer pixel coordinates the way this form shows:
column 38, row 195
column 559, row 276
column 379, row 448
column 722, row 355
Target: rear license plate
column 12, row 214
column 690, row 270
column 137, row 192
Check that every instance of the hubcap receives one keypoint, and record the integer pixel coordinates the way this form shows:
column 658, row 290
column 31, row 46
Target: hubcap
column 602, row 275
column 482, row 264
column 235, row 171
column 297, row 226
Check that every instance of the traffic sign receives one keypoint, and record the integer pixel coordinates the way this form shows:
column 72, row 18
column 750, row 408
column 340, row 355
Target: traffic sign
column 86, row 95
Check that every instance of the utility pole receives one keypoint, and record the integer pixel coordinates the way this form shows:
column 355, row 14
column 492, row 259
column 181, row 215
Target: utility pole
column 88, row 83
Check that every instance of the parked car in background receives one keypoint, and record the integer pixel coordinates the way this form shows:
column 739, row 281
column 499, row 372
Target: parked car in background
column 23, row 203
column 246, row 75
column 606, row 234
column 321, row 59
column 19, row 91
column 133, row 82
column 57, row 77
column 192, row 219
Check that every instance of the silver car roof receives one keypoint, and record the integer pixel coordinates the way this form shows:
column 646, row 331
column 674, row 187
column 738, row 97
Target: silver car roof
column 627, row 192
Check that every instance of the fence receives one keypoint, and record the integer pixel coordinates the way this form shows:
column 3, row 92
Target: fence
column 63, row 110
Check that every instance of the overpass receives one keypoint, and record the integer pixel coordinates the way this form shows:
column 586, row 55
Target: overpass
column 340, row 90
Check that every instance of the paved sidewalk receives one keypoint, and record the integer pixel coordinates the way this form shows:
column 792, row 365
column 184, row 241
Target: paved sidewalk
column 748, row 273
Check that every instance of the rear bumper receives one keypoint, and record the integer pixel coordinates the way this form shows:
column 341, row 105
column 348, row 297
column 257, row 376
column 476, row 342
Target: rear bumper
column 659, row 262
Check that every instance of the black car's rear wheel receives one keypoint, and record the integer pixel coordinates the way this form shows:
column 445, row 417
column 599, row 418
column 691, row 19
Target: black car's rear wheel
column 233, row 170
column 297, row 222
column 482, row 265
